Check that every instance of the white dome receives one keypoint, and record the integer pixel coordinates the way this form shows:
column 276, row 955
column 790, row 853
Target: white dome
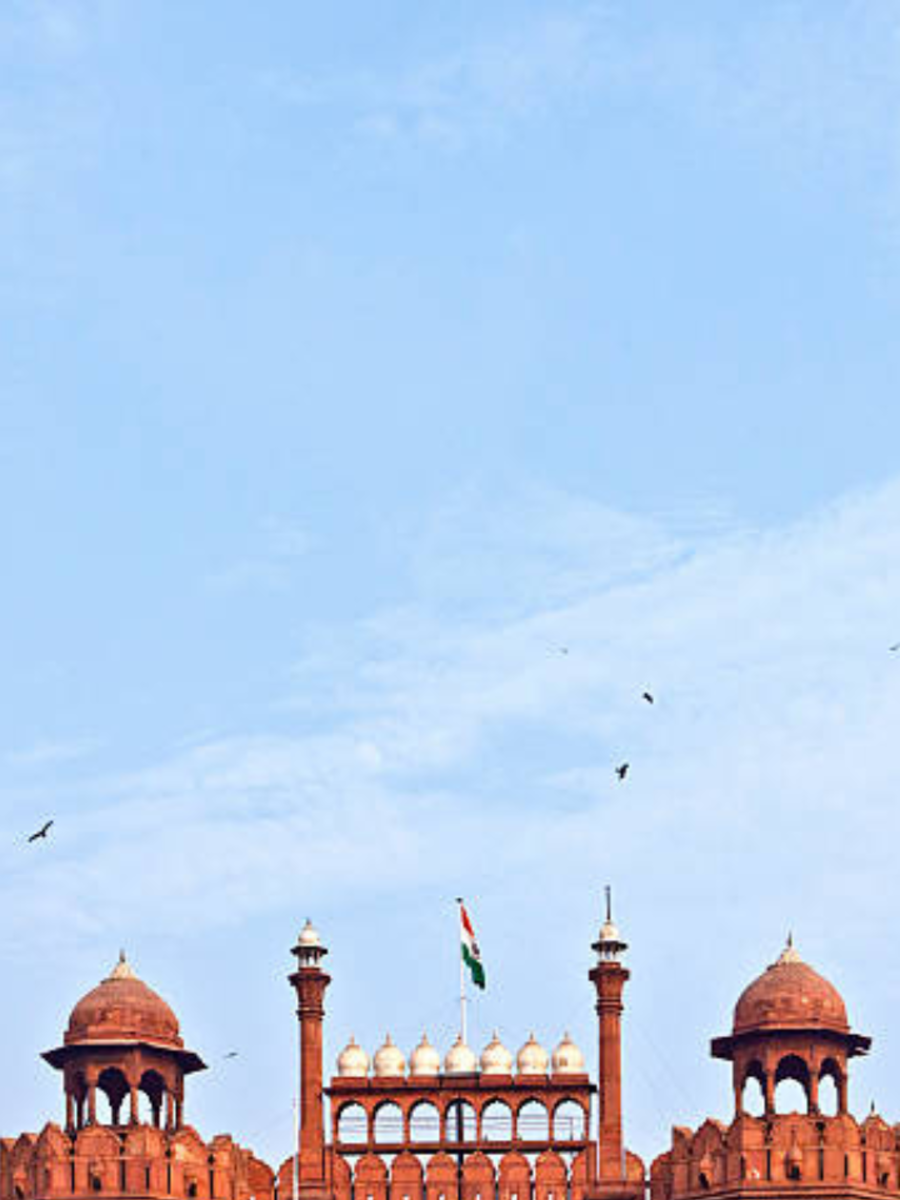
column 460, row 1060
column 389, row 1060
column 309, row 935
column 425, row 1059
column 495, row 1058
column 532, row 1059
column 353, row 1062
column 567, row 1058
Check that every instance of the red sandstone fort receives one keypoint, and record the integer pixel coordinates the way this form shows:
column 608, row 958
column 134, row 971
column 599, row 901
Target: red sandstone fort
column 533, row 1127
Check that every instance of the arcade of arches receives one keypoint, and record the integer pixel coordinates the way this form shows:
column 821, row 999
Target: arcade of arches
column 500, row 1126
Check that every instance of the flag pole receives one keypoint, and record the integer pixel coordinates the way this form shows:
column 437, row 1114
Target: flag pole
column 462, row 979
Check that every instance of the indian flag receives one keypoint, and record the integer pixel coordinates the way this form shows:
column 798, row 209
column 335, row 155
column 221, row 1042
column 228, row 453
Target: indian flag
column 470, row 952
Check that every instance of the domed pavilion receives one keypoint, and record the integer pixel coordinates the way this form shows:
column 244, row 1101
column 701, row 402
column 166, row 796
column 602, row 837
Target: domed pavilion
column 122, row 1040
column 123, row 1063
column 790, row 1023
column 446, row 1122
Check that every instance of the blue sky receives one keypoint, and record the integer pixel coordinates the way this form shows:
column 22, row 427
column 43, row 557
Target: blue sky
column 356, row 358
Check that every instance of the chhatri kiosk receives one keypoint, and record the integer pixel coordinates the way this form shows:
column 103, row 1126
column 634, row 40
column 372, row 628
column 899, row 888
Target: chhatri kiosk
column 459, row 1126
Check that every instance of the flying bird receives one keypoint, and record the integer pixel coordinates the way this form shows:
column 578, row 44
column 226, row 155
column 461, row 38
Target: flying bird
column 564, row 649
column 646, row 696
column 622, row 771
column 41, row 833
column 231, row 1054
column 896, row 646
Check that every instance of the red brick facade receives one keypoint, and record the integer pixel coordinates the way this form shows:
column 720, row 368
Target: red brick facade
column 536, row 1128
column 123, row 1066
column 789, row 1024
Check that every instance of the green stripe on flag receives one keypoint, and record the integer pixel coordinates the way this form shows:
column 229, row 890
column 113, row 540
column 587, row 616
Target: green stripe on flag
column 475, row 968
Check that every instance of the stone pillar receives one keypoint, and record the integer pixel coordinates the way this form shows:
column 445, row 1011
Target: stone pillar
column 310, row 983
column 134, row 1099
column 89, row 1109
column 609, row 978
column 769, row 1091
column 812, row 1093
column 70, row 1112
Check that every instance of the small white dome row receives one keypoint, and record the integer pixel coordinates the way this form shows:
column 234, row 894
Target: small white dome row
column 389, row 1062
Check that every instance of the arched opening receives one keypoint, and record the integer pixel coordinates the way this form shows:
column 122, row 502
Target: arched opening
column 568, row 1121
column 153, row 1086
column 461, row 1123
column 753, row 1096
column 829, row 1088
column 144, row 1109
column 496, row 1122
column 103, row 1110
column 792, row 1085
column 790, row 1097
column 705, row 1172
column 352, row 1124
column 829, row 1103
column 388, row 1125
column 533, row 1122
column 793, row 1165
column 112, row 1091
column 424, row 1122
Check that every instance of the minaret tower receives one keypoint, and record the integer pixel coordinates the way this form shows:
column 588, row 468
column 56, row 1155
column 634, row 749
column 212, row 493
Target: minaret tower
column 310, row 982
column 609, row 978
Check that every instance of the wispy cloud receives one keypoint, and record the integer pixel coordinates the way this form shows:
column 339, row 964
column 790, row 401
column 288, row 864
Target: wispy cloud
column 271, row 566
column 775, row 688
column 53, row 752
column 821, row 82
column 475, row 90
column 50, row 128
column 449, row 745
column 44, row 28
